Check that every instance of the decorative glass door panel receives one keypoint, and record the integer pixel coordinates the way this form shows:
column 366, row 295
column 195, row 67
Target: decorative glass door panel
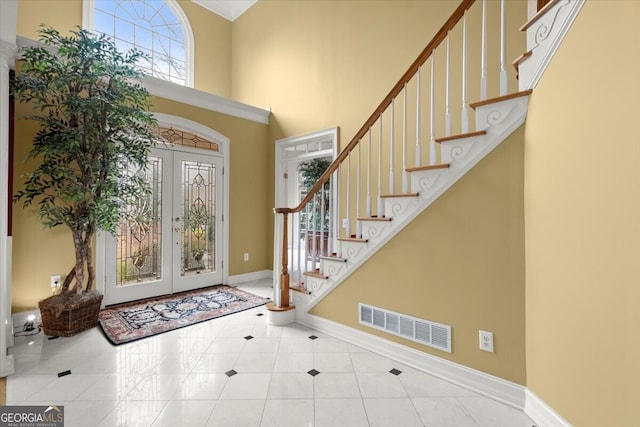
column 169, row 240
column 139, row 234
column 197, row 197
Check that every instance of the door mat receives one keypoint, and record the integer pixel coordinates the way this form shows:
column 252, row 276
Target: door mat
column 141, row 319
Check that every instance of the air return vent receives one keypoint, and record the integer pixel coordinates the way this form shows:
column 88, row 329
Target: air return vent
column 426, row 332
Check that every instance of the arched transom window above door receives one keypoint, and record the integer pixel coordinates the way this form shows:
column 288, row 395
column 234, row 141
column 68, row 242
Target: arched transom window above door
column 158, row 28
column 187, row 139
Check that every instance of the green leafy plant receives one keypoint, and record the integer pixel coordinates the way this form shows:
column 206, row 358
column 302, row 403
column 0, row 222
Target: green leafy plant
column 316, row 215
column 95, row 129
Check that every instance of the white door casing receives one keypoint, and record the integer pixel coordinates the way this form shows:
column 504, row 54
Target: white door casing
column 105, row 260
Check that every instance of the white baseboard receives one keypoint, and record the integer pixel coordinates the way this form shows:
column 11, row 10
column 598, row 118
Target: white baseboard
column 491, row 386
column 248, row 277
column 542, row 413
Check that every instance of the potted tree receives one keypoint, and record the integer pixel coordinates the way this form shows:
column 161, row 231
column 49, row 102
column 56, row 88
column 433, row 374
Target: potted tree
column 95, row 133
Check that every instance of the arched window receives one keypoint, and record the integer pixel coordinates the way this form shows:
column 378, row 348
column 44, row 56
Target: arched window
column 157, row 27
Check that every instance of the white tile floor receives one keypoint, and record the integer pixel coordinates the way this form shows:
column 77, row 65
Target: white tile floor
column 185, row 378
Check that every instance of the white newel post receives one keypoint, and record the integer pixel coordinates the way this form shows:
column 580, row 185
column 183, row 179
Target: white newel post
column 6, row 325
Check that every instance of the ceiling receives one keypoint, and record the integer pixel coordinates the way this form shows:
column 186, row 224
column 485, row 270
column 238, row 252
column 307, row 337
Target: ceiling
column 229, row 9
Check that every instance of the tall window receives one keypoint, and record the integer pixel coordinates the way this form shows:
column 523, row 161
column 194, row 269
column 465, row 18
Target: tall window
column 156, row 27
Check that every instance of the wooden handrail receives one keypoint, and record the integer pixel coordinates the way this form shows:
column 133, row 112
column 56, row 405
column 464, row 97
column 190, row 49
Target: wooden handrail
column 440, row 36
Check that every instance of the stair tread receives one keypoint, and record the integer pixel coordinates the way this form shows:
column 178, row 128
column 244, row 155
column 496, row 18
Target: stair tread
column 374, row 218
column 430, row 167
column 501, row 98
column 352, row 239
column 521, row 58
column 461, row 136
column 399, row 195
column 300, row 289
column 538, row 15
column 316, row 274
column 333, row 258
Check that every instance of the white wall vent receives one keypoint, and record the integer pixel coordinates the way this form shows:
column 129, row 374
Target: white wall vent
column 426, row 332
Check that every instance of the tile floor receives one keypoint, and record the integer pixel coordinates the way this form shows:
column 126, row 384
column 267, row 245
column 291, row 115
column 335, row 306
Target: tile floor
column 214, row 374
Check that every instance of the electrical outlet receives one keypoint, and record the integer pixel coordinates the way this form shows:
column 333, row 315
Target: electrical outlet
column 486, row 341
column 345, row 222
column 246, row 256
column 56, row 280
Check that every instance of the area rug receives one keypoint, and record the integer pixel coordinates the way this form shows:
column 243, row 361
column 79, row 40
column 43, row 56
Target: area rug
column 142, row 319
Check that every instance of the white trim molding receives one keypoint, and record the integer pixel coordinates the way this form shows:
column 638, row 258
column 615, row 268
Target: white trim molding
column 544, row 37
column 8, row 19
column 249, row 277
column 197, row 98
column 503, row 391
column 542, row 413
column 193, row 97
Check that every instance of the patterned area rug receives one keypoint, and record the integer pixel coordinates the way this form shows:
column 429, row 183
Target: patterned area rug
column 141, row 319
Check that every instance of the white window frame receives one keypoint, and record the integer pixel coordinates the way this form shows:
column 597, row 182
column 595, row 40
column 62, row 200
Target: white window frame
column 88, row 24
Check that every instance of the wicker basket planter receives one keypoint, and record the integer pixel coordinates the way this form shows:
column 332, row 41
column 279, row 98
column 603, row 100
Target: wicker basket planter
column 68, row 314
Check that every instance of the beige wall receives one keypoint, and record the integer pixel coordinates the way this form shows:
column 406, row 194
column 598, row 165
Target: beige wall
column 582, row 210
column 211, row 32
column 39, row 252
column 461, row 263
column 320, row 64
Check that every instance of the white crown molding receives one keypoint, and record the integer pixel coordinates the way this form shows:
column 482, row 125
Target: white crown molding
column 190, row 96
column 228, row 9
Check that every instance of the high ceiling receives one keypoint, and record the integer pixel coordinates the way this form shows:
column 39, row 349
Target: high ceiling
column 229, row 9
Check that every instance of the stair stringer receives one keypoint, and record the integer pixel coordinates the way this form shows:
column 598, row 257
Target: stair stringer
column 544, row 36
column 498, row 120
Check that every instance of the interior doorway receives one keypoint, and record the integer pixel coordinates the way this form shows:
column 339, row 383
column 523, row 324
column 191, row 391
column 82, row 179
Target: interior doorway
column 309, row 236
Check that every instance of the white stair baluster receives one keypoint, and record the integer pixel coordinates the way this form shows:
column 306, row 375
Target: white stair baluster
column 380, row 201
column 447, row 122
column 392, row 140
column 483, row 59
column 348, row 216
column 503, row 71
column 358, row 223
column 432, row 142
column 465, row 107
column 368, row 207
column 418, row 160
column 405, row 176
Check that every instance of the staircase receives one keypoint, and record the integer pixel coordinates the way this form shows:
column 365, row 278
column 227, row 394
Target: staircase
column 399, row 138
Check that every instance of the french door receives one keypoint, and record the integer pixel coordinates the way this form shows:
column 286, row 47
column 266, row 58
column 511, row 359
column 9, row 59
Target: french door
column 170, row 240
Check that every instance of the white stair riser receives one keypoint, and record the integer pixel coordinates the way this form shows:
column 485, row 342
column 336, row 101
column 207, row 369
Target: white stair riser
column 373, row 229
column 428, row 181
column 399, row 208
column 332, row 268
column 458, row 149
